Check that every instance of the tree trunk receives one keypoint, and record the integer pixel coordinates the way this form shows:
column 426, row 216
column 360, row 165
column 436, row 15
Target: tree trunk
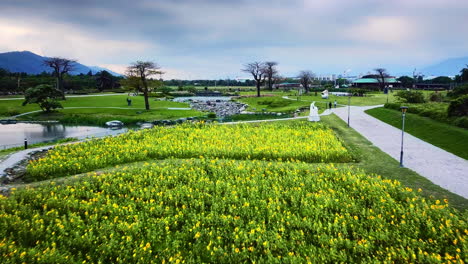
column 60, row 87
column 145, row 94
column 258, row 89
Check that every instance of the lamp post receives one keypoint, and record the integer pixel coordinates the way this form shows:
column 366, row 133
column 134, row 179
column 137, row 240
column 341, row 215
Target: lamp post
column 403, row 111
column 349, row 103
column 387, row 93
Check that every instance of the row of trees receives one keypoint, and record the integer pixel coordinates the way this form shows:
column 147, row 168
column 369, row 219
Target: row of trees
column 267, row 73
column 15, row 83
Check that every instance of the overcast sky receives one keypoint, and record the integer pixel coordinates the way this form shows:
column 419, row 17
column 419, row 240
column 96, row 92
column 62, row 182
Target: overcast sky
column 193, row 39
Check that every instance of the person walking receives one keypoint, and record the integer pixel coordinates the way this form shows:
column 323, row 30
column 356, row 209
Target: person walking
column 334, row 103
column 129, row 102
column 330, row 105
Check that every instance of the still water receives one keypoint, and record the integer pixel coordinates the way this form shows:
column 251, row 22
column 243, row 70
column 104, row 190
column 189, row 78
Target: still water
column 14, row 134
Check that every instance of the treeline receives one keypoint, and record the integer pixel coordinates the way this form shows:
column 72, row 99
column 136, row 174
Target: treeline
column 17, row 83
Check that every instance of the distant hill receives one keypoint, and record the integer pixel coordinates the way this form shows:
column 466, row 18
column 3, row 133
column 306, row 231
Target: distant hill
column 26, row 61
column 449, row 67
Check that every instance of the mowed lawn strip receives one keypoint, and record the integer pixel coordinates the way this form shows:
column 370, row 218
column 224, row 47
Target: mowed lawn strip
column 450, row 138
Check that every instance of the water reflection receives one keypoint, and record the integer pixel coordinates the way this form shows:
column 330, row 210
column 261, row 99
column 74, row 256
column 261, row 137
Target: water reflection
column 14, row 134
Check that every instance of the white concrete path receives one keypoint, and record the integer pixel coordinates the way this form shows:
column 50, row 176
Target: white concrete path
column 439, row 166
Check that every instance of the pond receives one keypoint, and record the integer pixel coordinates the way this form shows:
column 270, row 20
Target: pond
column 13, row 135
column 202, row 98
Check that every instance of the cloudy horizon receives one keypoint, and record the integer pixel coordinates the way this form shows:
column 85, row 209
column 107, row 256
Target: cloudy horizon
column 207, row 39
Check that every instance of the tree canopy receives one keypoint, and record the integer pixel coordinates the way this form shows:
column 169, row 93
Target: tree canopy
column 44, row 95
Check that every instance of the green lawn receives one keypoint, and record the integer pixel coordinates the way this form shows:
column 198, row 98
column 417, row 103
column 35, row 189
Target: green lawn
column 98, row 116
column 373, row 160
column 97, row 101
column 450, row 138
column 272, row 104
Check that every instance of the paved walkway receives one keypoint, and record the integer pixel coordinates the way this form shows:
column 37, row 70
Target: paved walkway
column 439, row 166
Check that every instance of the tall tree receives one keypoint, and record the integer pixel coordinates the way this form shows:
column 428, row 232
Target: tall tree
column 104, row 80
column 271, row 73
column 381, row 75
column 406, row 81
column 143, row 70
column 61, row 66
column 258, row 71
column 305, row 79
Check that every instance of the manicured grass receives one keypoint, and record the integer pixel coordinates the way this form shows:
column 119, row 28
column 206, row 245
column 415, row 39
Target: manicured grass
column 272, row 104
column 9, row 106
column 373, row 160
column 99, row 116
column 450, row 138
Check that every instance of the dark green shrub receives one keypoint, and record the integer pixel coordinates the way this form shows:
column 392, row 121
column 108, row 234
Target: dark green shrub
column 459, row 106
column 164, row 89
column 436, row 97
column 461, row 121
column 414, row 97
column 211, row 115
column 458, row 91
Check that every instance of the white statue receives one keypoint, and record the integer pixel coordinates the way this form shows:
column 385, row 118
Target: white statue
column 313, row 115
column 325, row 94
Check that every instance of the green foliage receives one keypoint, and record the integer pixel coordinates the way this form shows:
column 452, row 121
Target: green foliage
column 435, row 111
column 406, row 81
column 45, row 96
column 211, row 115
column 459, row 106
column 436, row 97
column 358, row 91
column 458, row 91
column 414, row 97
column 270, row 102
column 164, row 89
column 442, row 80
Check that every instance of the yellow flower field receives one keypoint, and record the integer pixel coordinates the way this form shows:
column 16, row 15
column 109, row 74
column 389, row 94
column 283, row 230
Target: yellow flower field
column 295, row 141
column 227, row 211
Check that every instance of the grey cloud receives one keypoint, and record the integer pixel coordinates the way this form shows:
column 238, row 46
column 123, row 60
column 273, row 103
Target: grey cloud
column 204, row 31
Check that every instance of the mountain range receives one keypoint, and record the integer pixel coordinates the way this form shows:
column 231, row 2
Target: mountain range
column 26, row 61
column 448, row 67
column 31, row 63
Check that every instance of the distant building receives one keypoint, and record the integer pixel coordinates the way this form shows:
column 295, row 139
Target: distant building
column 373, row 81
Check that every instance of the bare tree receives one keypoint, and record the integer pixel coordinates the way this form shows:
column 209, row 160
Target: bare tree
column 305, row 79
column 144, row 69
column 271, row 73
column 258, row 71
column 61, row 66
column 381, row 74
